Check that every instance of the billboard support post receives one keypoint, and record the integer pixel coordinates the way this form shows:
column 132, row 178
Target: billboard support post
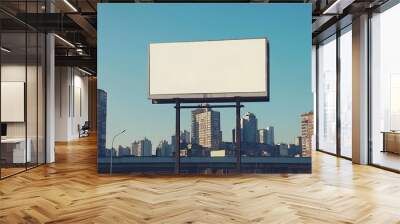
column 177, row 136
column 238, row 136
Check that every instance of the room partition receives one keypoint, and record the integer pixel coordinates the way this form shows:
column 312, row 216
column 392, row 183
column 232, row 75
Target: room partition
column 22, row 87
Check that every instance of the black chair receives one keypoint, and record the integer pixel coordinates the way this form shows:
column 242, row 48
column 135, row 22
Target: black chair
column 84, row 130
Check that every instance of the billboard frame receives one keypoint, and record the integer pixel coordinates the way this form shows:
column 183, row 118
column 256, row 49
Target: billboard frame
column 213, row 97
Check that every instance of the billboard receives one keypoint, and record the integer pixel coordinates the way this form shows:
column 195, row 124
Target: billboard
column 209, row 71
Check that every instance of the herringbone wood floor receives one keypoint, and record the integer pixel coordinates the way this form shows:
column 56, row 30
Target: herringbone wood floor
column 70, row 191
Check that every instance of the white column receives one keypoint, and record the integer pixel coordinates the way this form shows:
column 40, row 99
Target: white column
column 50, row 92
column 360, row 90
column 50, row 100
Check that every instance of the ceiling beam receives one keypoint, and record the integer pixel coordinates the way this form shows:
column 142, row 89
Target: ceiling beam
column 78, row 61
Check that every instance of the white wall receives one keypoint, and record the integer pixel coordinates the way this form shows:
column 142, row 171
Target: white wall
column 17, row 73
column 71, row 87
column 33, row 126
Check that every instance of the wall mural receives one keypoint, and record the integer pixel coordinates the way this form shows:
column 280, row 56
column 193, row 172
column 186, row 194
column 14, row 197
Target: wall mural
column 204, row 88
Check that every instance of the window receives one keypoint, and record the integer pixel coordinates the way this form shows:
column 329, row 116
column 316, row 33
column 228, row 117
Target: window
column 327, row 95
column 346, row 92
column 385, row 89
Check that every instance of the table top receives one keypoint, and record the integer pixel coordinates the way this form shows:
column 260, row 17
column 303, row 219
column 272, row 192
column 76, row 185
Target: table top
column 13, row 140
column 391, row 132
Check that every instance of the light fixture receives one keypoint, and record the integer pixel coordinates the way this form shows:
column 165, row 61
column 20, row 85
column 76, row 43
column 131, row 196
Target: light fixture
column 5, row 50
column 84, row 71
column 64, row 40
column 70, row 5
column 79, row 51
column 337, row 7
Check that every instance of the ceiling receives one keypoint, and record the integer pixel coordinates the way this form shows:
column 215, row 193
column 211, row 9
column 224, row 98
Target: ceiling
column 75, row 21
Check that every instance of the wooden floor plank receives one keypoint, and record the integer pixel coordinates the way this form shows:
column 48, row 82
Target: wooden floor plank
column 71, row 191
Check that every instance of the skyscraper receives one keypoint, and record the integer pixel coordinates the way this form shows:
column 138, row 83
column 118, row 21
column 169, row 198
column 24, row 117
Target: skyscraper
column 101, row 121
column 124, row 151
column 270, row 136
column 164, row 149
column 136, row 151
column 195, row 126
column 185, row 137
column 262, row 136
column 206, row 127
column 233, row 136
column 173, row 143
column 307, row 130
column 283, row 149
column 248, row 125
column 146, row 147
column 142, row 147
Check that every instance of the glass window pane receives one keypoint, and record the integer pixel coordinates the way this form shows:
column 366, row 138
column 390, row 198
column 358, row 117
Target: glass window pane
column 14, row 153
column 385, row 93
column 346, row 92
column 31, row 96
column 327, row 95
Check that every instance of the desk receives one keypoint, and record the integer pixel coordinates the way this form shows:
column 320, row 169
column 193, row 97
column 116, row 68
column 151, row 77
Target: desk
column 13, row 150
column 391, row 141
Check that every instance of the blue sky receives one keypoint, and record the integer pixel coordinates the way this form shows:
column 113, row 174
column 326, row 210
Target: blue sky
column 125, row 30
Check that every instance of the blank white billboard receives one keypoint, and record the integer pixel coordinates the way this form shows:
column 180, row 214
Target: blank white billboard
column 221, row 70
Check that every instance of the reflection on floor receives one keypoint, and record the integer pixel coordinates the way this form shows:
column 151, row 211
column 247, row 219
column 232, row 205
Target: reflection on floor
column 71, row 191
column 386, row 159
column 10, row 171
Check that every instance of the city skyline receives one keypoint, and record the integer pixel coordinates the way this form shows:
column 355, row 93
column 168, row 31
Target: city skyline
column 123, row 68
column 189, row 137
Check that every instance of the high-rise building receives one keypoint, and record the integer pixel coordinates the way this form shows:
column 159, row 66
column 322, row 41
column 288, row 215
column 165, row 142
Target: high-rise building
column 185, row 137
column 298, row 141
column 101, row 121
column 233, row 136
column 206, row 127
column 173, row 143
column 270, row 136
column 136, row 151
column 307, row 130
column 283, row 149
column 262, row 136
column 146, row 147
column 142, row 147
column 164, row 149
column 124, row 151
column 195, row 126
column 248, row 124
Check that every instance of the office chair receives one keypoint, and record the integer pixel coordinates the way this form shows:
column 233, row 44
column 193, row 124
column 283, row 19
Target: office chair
column 84, row 130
